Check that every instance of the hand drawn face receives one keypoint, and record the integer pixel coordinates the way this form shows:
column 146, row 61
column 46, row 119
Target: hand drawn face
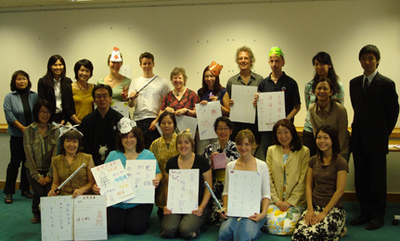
column 223, row 132
column 209, row 78
column 167, row 125
column 57, row 68
column 44, row 115
column 321, row 69
column 284, row 136
column 114, row 66
column 147, row 65
column 323, row 91
column 129, row 141
column 21, row 82
column 244, row 147
column 71, row 146
column 244, row 60
column 83, row 73
column 323, row 141
column 178, row 82
column 184, row 146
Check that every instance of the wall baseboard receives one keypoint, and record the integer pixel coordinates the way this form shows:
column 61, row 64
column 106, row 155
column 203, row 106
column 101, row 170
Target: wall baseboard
column 348, row 196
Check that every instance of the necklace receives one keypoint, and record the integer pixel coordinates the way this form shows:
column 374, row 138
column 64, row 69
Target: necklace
column 81, row 88
column 177, row 93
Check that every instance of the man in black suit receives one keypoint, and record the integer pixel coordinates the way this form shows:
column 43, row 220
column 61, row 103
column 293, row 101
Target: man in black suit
column 376, row 108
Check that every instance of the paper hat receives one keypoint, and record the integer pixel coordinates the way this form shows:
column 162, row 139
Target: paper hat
column 215, row 68
column 125, row 125
column 68, row 127
column 115, row 55
column 276, row 50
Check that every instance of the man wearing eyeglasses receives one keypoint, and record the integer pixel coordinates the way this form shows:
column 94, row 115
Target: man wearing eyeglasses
column 99, row 127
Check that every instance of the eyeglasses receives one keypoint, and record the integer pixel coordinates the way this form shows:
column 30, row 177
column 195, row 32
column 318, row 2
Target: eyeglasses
column 103, row 96
column 223, row 129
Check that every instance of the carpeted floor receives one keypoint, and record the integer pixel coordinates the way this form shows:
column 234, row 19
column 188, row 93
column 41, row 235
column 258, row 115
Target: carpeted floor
column 16, row 226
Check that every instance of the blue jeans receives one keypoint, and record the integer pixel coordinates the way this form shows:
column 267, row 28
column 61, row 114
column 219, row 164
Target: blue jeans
column 244, row 229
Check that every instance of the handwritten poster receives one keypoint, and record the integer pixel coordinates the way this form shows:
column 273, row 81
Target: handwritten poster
column 270, row 109
column 244, row 196
column 206, row 116
column 90, row 217
column 141, row 173
column 121, row 107
column 184, row 122
column 243, row 109
column 113, row 181
column 57, row 218
column 183, row 190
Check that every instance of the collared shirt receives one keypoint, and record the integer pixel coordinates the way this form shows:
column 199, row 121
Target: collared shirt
column 334, row 115
column 14, row 111
column 39, row 150
column 370, row 77
column 57, row 94
column 254, row 80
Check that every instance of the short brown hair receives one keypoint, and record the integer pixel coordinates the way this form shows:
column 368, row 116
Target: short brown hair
column 71, row 135
column 146, row 55
column 248, row 50
column 137, row 133
column 177, row 71
column 246, row 133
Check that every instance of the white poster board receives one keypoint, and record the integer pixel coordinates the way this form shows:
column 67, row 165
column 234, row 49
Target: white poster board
column 141, row 173
column 183, row 190
column 243, row 109
column 57, row 218
column 121, row 107
column 113, row 181
column 184, row 122
column 90, row 217
column 206, row 116
column 270, row 109
column 244, row 196
column 126, row 70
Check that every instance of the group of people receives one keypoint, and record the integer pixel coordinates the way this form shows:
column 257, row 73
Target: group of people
column 302, row 180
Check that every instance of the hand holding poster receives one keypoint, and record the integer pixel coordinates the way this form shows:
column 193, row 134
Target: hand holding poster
column 243, row 109
column 113, row 181
column 183, row 190
column 206, row 116
column 270, row 109
column 141, row 173
column 244, row 195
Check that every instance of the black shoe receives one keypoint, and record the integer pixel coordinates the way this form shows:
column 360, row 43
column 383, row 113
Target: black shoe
column 8, row 198
column 374, row 224
column 360, row 220
column 27, row 194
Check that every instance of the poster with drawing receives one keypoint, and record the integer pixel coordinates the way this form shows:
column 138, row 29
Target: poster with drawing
column 270, row 109
column 121, row 107
column 243, row 109
column 90, row 217
column 183, row 190
column 206, row 116
column 141, row 173
column 113, row 181
column 184, row 122
column 57, row 218
column 244, row 196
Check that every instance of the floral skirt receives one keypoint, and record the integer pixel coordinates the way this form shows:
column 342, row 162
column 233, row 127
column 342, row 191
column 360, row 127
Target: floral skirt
column 328, row 229
column 282, row 222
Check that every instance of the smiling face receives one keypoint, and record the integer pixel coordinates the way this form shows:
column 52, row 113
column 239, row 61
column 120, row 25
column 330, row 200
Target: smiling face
column 209, row 78
column 244, row 61
column 21, row 82
column 323, row 91
column 44, row 115
column 321, row 69
column 129, row 141
column 223, row 132
column 368, row 63
column 102, row 98
column 167, row 125
column 71, row 146
column 147, row 66
column 276, row 62
column 184, row 145
column 244, row 147
column 114, row 66
column 83, row 73
column 284, row 136
column 178, row 82
column 57, row 68
column 323, row 141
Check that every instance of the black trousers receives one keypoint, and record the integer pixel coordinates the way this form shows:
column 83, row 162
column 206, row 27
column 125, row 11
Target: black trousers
column 149, row 136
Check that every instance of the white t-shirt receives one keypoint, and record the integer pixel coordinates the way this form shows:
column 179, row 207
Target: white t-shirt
column 148, row 103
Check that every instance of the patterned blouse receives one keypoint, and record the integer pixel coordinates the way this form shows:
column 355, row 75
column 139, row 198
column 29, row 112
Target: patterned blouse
column 188, row 100
column 163, row 154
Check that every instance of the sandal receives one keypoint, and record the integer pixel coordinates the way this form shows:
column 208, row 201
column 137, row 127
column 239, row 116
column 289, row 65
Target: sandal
column 8, row 198
column 27, row 194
